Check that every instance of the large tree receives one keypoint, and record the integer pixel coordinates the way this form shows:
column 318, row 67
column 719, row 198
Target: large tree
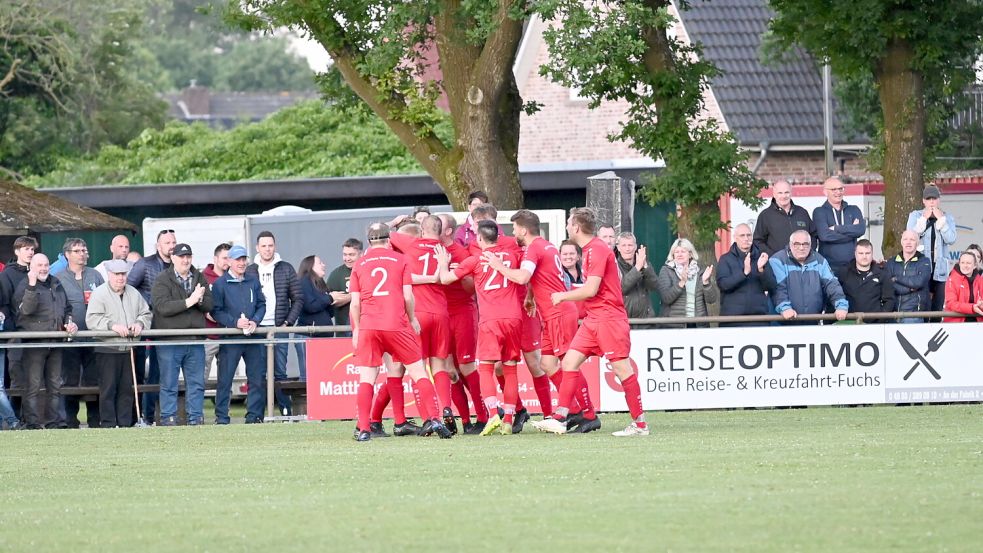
column 912, row 50
column 621, row 50
column 401, row 57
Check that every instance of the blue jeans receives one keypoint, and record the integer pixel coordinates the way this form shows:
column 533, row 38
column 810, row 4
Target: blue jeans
column 280, row 352
column 6, row 411
column 229, row 356
column 172, row 360
column 301, row 348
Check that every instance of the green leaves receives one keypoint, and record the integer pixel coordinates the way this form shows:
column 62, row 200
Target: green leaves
column 306, row 140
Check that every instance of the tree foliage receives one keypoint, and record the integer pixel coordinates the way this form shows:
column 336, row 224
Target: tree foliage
column 915, row 55
column 621, row 51
column 306, row 140
column 68, row 83
column 189, row 41
column 388, row 53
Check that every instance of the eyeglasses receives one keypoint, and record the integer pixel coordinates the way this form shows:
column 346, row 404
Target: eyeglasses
column 79, row 251
column 801, row 244
column 166, row 231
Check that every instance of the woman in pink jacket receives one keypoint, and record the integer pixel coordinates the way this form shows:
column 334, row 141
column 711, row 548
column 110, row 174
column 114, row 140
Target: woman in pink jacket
column 964, row 290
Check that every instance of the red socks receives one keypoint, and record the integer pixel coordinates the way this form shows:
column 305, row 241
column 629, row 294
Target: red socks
column 510, row 390
column 557, row 380
column 473, row 381
column 426, row 399
column 460, row 397
column 542, row 385
column 568, row 387
column 365, row 391
column 380, row 403
column 394, row 385
column 633, row 396
column 489, row 393
column 583, row 396
column 501, row 383
column 442, row 385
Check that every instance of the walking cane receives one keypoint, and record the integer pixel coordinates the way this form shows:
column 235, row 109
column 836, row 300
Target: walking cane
column 136, row 393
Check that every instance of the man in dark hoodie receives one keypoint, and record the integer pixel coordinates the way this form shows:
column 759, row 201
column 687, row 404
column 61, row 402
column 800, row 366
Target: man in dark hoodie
column 42, row 306
column 181, row 298
column 12, row 275
column 782, row 218
column 838, row 225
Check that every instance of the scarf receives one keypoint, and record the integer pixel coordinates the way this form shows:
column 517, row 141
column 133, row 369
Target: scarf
column 692, row 273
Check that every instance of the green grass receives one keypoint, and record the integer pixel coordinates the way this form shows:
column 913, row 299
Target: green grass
column 819, row 479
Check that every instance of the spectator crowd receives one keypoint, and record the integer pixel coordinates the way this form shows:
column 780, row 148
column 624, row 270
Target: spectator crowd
column 791, row 264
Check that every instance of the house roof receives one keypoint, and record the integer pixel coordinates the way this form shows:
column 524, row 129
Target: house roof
column 198, row 103
column 777, row 102
column 25, row 210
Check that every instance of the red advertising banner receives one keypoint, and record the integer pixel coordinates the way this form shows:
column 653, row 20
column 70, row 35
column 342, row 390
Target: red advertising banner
column 332, row 382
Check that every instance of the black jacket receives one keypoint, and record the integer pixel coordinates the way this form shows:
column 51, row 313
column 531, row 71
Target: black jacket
column 169, row 300
column 870, row 292
column 289, row 297
column 774, row 226
column 144, row 273
column 911, row 282
column 11, row 276
column 317, row 309
column 42, row 307
column 741, row 294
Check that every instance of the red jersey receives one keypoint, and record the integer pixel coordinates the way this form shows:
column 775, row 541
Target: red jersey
column 506, row 242
column 599, row 261
column 498, row 298
column 542, row 259
column 457, row 297
column 378, row 277
column 430, row 298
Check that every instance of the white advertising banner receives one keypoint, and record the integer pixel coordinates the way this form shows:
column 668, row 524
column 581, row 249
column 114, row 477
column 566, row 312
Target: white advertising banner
column 801, row 365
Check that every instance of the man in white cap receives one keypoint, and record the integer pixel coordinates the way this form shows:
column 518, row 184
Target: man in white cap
column 119, row 307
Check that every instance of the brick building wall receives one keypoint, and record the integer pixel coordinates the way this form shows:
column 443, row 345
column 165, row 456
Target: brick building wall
column 800, row 167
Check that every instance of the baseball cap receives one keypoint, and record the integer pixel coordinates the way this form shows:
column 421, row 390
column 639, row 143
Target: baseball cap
column 181, row 249
column 117, row 266
column 931, row 191
column 378, row 231
column 235, row 252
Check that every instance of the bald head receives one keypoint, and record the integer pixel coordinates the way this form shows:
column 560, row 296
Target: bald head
column 40, row 266
column 909, row 243
column 120, row 247
column 782, row 192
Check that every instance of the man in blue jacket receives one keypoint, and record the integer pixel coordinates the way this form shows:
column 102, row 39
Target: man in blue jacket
column 937, row 231
column 239, row 303
column 838, row 225
column 804, row 283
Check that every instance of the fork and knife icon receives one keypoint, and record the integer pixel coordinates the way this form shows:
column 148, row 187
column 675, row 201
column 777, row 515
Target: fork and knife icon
column 933, row 346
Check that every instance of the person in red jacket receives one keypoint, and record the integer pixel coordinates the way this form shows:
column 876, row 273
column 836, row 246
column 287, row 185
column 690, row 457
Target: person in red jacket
column 964, row 290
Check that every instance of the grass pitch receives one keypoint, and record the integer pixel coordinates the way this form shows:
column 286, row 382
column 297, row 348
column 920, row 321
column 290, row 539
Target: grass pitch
column 819, row 479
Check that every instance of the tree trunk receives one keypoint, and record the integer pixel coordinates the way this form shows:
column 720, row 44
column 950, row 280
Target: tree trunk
column 688, row 226
column 901, row 93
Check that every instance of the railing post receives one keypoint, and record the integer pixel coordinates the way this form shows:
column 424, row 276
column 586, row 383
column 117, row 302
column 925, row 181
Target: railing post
column 270, row 354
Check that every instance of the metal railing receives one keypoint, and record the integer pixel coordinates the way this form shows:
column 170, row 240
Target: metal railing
column 268, row 336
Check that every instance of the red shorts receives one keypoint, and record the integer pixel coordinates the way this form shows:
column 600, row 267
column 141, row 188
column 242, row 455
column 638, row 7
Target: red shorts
column 558, row 332
column 610, row 339
column 434, row 334
column 464, row 335
column 532, row 333
column 499, row 340
column 402, row 345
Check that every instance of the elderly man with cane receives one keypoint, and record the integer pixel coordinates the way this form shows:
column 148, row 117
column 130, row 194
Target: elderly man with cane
column 119, row 307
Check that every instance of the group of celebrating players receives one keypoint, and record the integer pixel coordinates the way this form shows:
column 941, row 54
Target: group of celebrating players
column 413, row 301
